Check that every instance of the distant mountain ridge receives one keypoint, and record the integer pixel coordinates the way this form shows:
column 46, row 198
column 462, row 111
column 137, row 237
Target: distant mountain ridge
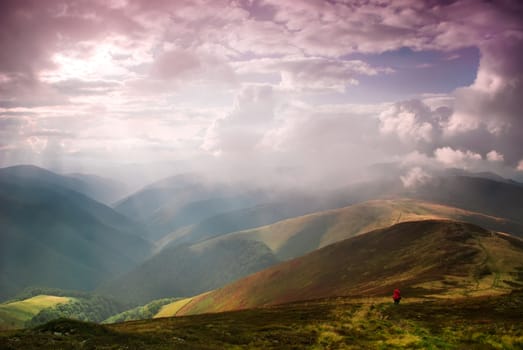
column 53, row 236
column 188, row 269
column 186, row 210
column 182, row 200
column 98, row 188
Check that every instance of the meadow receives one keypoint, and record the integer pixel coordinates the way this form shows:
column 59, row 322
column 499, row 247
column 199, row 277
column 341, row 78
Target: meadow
column 487, row 322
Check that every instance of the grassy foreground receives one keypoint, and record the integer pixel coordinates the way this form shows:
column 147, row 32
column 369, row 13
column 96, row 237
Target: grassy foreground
column 341, row 323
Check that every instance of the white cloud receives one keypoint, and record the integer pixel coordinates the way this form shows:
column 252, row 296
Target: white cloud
column 415, row 177
column 242, row 129
column 458, row 158
column 494, row 156
column 116, row 77
column 317, row 74
column 412, row 122
column 492, row 104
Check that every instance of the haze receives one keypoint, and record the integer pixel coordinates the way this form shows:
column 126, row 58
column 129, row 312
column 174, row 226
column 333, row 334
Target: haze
column 261, row 90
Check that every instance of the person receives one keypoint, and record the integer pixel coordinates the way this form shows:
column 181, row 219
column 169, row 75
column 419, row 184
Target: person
column 396, row 296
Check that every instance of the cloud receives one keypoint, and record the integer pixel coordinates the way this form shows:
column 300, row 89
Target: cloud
column 492, row 103
column 318, row 74
column 280, row 74
column 455, row 158
column 75, row 87
column 175, row 64
column 308, row 74
column 32, row 31
column 415, row 176
column 494, row 156
column 410, row 121
column 240, row 131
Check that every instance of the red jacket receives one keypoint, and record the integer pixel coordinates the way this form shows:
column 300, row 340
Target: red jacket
column 396, row 295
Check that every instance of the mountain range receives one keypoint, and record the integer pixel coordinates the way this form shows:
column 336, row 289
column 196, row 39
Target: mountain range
column 55, row 236
column 431, row 257
column 213, row 246
column 199, row 267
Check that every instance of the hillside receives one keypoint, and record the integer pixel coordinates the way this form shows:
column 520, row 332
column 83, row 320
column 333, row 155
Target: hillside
column 187, row 270
column 296, row 236
column 36, row 306
column 182, row 200
column 95, row 187
column 15, row 314
column 55, row 237
column 433, row 257
column 140, row 312
column 102, row 189
column 498, row 198
column 241, row 219
column 482, row 195
column 337, row 323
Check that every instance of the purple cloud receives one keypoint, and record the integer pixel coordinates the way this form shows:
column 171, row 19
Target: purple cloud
column 273, row 79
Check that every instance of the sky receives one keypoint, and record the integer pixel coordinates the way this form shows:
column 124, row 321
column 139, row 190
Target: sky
column 260, row 89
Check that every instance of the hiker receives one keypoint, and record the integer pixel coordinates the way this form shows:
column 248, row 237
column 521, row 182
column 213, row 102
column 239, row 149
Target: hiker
column 396, row 296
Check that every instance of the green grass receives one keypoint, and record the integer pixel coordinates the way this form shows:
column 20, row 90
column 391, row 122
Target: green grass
column 336, row 323
column 15, row 314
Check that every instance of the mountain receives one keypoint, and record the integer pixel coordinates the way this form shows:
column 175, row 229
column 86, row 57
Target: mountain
column 245, row 218
column 182, row 200
column 503, row 199
column 189, row 269
column 98, row 188
column 472, row 193
column 432, row 257
column 55, row 237
column 102, row 189
column 293, row 237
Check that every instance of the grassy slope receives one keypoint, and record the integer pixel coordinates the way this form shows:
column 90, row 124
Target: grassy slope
column 184, row 271
column 213, row 263
column 172, row 308
column 15, row 314
column 141, row 312
column 297, row 236
column 340, row 323
column 427, row 257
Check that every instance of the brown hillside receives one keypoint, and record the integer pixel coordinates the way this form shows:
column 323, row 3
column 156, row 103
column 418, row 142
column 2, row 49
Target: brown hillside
column 297, row 236
column 437, row 258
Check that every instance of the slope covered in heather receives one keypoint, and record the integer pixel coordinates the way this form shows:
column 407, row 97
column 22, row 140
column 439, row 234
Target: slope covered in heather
column 189, row 269
column 432, row 257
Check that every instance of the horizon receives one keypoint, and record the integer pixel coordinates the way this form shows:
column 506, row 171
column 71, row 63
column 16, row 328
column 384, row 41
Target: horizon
column 268, row 91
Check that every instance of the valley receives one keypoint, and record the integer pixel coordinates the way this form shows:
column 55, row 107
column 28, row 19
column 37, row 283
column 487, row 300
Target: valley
column 298, row 271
